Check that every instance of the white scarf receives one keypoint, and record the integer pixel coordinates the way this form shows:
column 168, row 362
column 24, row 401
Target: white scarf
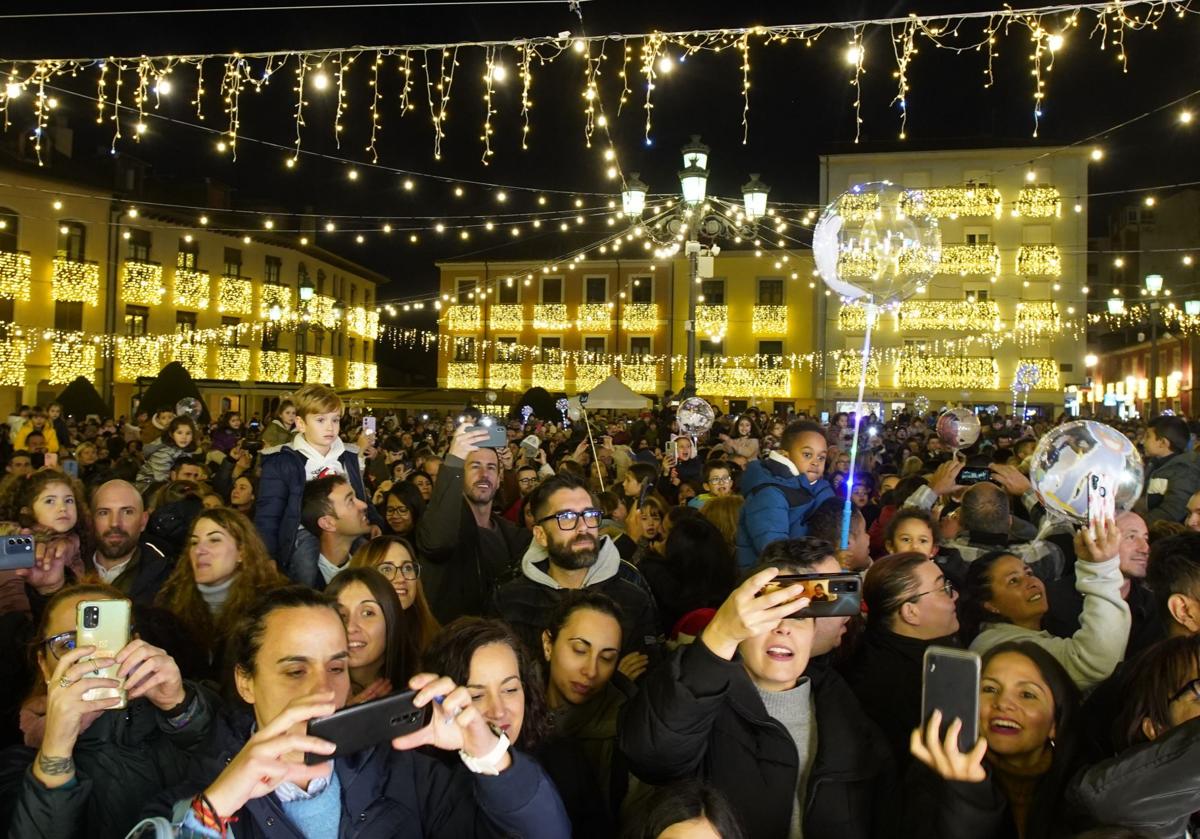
column 317, row 464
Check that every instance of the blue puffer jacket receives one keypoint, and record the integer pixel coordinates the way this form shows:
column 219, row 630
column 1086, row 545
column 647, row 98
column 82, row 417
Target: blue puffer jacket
column 777, row 506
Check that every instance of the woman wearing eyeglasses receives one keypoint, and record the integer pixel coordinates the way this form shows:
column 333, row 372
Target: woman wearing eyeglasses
column 395, row 558
column 87, row 769
column 402, row 507
column 1005, row 601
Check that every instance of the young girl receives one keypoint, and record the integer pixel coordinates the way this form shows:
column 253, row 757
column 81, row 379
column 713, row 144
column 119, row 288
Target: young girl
column 47, row 503
column 178, row 438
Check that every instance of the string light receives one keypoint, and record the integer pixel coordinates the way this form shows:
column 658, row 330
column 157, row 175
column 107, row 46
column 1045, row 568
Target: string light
column 1047, row 371
column 964, row 260
column 769, row 320
column 233, row 363
column 461, row 318
column 275, row 366
column 16, row 270
column 1040, row 201
column 462, row 376
column 1038, row 318
column 639, row 317
column 318, row 369
column 506, row 318
column 70, row 359
column 192, row 288
column 552, row 377
column 972, row 201
column 945, row 373
column 849, row 369
column 77, row 282
column 1039, row 261
column 234, row 295
column 594, row 317
column 13, row 355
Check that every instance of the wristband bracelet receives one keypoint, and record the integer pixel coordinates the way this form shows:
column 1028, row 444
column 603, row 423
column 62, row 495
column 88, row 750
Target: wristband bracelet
column 206, row 813
column 486, row 764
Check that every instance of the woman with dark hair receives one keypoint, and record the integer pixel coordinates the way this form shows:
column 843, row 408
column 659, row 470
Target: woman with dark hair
column 229, row 432
column 381, row 659
column 697, row 570
column 402, row 507
column 685, row 810
column 1153, row 782
column 423, row 483
column 506, row 688
column 744, row 439
column 1005, row 601
column 395, row 558
column 1012, row 783
column 243, row 494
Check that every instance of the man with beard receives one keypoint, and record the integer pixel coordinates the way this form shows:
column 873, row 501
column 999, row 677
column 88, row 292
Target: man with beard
column 337, row 517
column 123, row 559
column 466, row 546
column 567, row 553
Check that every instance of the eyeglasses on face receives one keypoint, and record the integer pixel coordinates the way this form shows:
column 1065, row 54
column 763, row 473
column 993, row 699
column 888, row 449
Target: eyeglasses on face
column 397, row 511
column 406, row 570
column 721, row 481
column 569, row 519
column 60, row 644
column 527, row 481
column 946, row 587
column 1192, row 687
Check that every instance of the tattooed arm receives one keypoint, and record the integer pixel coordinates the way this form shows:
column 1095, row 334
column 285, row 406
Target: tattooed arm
column 53, row 771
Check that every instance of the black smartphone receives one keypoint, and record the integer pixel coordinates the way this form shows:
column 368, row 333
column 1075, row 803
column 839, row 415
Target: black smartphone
column 361, row 726
column 950, row 684
column 830, row 595
column 16, row 552
column 971, row 475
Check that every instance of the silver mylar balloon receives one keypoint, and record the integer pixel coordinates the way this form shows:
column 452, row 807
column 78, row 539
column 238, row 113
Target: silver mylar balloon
column 695, row 416
column 1067, row 455
column 189, row 406
column 958, row 428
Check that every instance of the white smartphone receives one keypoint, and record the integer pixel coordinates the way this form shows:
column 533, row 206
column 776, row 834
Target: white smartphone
column 1102, row 502
column 368, row 426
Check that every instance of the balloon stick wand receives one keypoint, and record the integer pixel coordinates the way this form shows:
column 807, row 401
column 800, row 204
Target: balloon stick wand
column 872, row 313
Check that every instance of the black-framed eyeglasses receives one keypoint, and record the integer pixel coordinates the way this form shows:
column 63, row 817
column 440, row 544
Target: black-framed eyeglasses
column 721, row 481
column 407, row 570
column 60, row 644
column 1193, row 686
column 569, row 519
column 523, row 481
column 946, row 587
column 397, row 511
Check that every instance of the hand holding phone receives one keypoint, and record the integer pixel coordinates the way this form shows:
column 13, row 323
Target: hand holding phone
column 829, row 595
column 749, row 612
column 104, row 624
column 369, row 426
column 950, row 686
column 358, row 727
column 16, row 552
column 1101, row 503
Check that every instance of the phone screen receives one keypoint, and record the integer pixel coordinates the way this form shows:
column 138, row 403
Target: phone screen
column 51, row 459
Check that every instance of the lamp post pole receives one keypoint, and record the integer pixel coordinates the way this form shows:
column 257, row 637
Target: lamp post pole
column 1154, row 306
column 689, row 373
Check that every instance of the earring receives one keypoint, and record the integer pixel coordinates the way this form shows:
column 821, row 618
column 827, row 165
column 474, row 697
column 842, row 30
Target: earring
column 1051, row 744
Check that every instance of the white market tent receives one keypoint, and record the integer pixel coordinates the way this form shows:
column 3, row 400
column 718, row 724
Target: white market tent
column 614, row 395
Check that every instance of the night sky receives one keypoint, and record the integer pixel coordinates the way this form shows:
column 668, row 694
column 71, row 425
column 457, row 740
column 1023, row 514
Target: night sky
column 801, row 106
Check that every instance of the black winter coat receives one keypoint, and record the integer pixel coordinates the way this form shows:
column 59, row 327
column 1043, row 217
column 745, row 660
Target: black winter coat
column 699, row 716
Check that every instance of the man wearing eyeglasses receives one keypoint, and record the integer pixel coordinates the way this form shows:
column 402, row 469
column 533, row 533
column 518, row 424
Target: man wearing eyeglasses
column 910, row 607
column 567, row 553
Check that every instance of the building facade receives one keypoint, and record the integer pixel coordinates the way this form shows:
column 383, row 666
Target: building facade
column 508, row 326
column 93, row 286
column 1006, row 306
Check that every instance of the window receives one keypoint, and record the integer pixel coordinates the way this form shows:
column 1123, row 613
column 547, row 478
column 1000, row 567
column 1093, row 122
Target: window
column 770, row 291
column 68, row 316
column 185, row 322
column 273, row 271
column 552, row 290
column 350, row 349
column 233, row 262
column 714, row 292
column 7, row 306
column 72, row 241
column 318, row 342
column 136, row 318
column 550, row 347
column 353, row 294
column 466, row 291
column 770, row 348
column 978, row 236
column 138, row 245
column 641, row 289
column 320, row 281
column 235, row 337
column 710, row 349
column 10, row 227
column 506, row 349
column 464, row 350
column 595, row 345
column 595, row 289
column 270, row 337
column 188, row 253
column 976, row 295
column 639, row 346
column 508, row 292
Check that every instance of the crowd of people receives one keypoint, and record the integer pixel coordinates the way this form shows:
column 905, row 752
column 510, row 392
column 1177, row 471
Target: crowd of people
column 595, row 622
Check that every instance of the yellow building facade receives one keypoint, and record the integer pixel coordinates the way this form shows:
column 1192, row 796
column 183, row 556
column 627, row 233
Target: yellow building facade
column 507, row 326
column 94, row 286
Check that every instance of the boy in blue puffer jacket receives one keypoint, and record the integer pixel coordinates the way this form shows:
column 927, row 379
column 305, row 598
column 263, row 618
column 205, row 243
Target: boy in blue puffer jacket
column 782, row 491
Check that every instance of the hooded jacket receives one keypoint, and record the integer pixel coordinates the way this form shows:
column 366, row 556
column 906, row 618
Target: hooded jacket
column 1170, row 482
column 778, row 504
column 526, row 601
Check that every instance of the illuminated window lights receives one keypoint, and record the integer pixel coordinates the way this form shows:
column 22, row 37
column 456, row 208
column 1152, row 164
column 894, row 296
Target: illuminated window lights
column 850, row 368
column 1039, row 201
column 964, row 260
column 947, row 373
column 274, row 366
column 550, row 376
column 854, row 206
column 71, row 358
column 744, row 382
column 234, row 296
column 360, row 375
column 953, row 315
column 15, row 273
column 75, row 282
column 594, row 317
column 462, row 376
column 974, row 201
column 138, row 357
column 371, row 332
column 587, row 376
column 464, row 319
column 192, row 288
column 320, row 310
column 13, row 355
column 712, row 320
column 1039, row 261
column 318, row 369
column 1038, row 317
column 639, row 317
column 551, row 317
column 233, row 363
column 1047, row 368
column 504, row 375
column 194, row 358
column 642, row 378
column 770, row 320
column 142, row 283
column 272, row 295
column 356, row 322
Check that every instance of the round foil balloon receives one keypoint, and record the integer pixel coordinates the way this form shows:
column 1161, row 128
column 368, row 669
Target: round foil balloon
column 189, row 406
column 958, row 428
column 921, row 405
column 1066, row 456
column 695, row 416
column 877, row 241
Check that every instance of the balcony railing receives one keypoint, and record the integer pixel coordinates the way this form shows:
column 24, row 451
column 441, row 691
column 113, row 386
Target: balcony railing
column 506, row 317
column 1039, row 261
column 550, row 376
column 233, row 363
column 954, row 315
column 193, row 289
column 464, row 319
column 587, row 376
column 13, row 359
column 550, row 317
column 504, row 375
column 462, row 375
column 71, row 358
column 16, row 269
column 137, row 357
column 642, row 378
column 318, row 369
column 947, row 373
column 275, row 366
column 712, row 320
column 965, row 260
column 1039, row 201
column 361, row 374
column 76, row 281
column 235, row 296
column 770, row 320
column 271, row 296
column 142, row 283
column 594, row 317
column 1036, row 318
column 194, row 358
column 849, row 370
column 639, row 317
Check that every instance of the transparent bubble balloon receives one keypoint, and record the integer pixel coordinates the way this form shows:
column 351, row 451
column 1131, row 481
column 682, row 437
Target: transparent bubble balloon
column 1067, row 455
column 958, row 428
column 695, row 416
column 877, row 241
column 921, row 404
column 189, row 406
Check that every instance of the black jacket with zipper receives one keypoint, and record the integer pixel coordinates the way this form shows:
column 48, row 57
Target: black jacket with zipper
column 699, row 716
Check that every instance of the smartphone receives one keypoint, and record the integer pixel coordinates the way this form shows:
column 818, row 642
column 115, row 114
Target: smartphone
column 497, row 435
column 971, row 475
column 368, row 426
column 360, row 726
column 1101, row 501
column 103, row 624
column 16, row 552
column 830, row 595
column 50, row 460
column 254, row 424
column 950, row 684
